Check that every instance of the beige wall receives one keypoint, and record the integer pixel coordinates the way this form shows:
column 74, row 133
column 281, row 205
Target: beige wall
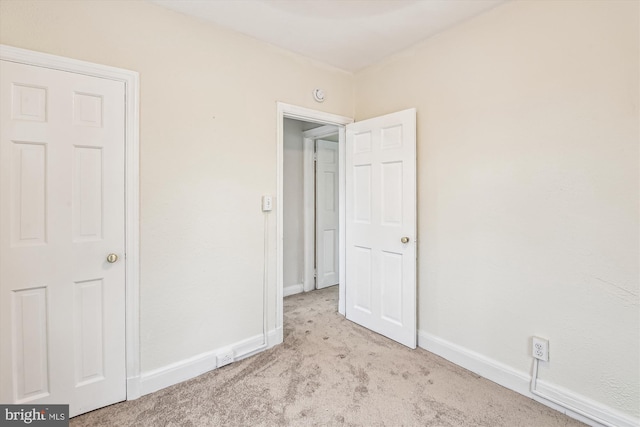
column 208, row 154
column 293, row 205
column 527, row 168
column 528, row 187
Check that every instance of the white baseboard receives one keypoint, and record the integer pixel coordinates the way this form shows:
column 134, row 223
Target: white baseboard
column 518, row 381
column 495, row 371
column 584, row 404
column 293, row 289
column 255, row 344
column 133, row 388
column 275, row 337
column 186, row 369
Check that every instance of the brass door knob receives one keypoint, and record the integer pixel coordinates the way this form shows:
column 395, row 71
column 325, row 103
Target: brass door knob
column 405, row 240
column 111, row 258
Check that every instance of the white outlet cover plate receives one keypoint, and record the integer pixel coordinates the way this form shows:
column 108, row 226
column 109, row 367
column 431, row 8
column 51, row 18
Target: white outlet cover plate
column 224, row 359
column 540, row 348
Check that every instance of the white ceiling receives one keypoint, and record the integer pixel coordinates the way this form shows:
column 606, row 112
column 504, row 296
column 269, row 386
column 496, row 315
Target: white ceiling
column 348, row 34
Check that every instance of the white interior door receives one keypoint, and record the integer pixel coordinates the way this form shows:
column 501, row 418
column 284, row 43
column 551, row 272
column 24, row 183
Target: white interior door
column 326, row 213
column 381, row 225
column 62, row 321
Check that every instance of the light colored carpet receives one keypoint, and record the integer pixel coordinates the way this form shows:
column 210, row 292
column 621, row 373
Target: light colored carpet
column 331, row 372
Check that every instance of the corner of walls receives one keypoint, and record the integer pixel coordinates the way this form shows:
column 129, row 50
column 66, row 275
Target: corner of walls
column 189, row 368
column 293, row 289
column 519, row 381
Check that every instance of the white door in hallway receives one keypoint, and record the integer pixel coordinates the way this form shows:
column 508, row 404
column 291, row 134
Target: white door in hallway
column 381, row 226
column 326, row 213
column 62, row 298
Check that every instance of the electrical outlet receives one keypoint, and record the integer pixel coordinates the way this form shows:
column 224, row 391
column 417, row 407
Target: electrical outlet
column 224, row 358
column 540, row 348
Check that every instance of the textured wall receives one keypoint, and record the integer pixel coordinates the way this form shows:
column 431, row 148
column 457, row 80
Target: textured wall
column 528, row 187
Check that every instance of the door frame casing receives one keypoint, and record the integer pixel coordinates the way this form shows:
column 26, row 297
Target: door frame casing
column 132, row 194
column 305, row 114
column 309, row 212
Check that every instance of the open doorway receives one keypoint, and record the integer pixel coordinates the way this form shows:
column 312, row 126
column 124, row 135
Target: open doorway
column 377, row 219
column 296, row 278
column 311, row 203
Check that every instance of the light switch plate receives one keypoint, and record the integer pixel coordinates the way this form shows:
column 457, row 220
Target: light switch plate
column 267, row 203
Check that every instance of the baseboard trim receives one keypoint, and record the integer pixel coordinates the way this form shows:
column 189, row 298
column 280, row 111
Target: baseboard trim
column 490, row 369
column 518, row 381
column 133, row 388
column 192, row 367
column 584, row 404
column 276, row 336
column 293, row 289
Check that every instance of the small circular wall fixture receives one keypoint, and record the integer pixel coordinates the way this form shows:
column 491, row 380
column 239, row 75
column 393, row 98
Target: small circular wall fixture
column 319, row 95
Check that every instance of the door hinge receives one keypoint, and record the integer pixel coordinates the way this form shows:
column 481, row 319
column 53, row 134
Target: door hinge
column 315, row 273
column 315, row 157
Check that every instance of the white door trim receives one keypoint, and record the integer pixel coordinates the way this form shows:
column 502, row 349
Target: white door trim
column 309, row 212
column 132, row 216
column 305, row 114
